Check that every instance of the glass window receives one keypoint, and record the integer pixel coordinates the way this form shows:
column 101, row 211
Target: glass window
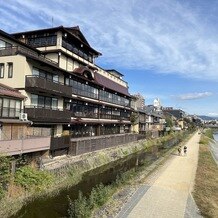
column 54, row 103
column 10, row 70
column 67, row 81
column 41, row 101
column 12, row 108
column 49, row 77
column 5, row 112
column 42, row 74
column 12, row 103
column 2, row 44
column 6, row 102
column 2, row 70
column 18, row 107
column 55, row 78
column 47, row 102
column 35, row 71
column 34, row 100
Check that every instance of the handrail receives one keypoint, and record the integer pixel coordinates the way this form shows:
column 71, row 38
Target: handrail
column 14, row 50
column 40, row 77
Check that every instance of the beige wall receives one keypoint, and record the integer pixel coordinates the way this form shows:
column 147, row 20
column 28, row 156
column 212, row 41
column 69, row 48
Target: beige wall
column 53, row 56
column 20, row 69
column 135, row 128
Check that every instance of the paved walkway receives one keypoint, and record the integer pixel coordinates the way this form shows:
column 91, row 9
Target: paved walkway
column 169, row 195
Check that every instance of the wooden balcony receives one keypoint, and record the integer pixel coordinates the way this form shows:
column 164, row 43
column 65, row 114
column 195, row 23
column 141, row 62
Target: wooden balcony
column 14, row 50
column 36, row 83
column 62, row 142
column 22, row 146
column 37, row 114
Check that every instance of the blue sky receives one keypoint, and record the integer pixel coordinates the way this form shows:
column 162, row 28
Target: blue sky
column 165, row 48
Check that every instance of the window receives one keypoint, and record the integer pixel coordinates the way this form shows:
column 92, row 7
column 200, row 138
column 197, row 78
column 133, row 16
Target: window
column 34, row 100
column 2, row 70
column 10, row 70
column 44, row 102
column 54, row 103
column 55, row 78
column 4, row 44
column 0, row 107
column 35, row 72
column 5, row 107
column 18, row 108
column 10, row 107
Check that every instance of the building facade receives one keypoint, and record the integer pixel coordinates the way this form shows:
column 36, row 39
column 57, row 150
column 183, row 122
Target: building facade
column 66, row 91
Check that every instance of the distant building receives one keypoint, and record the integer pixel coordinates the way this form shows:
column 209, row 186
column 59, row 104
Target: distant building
column 140, row 101
column 157, row 104
column 178, row 114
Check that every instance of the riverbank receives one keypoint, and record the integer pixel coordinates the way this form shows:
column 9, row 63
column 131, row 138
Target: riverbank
column 206, row 189
column 72, row 173
column 130, row 192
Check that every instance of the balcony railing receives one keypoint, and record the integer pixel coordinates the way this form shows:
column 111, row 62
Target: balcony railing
column 49, row 86
column 21, row 146
column 60, row 142
column 111, row 116
column 85, row 114
column 83, row 145
column 40, row 114
column 14, row 50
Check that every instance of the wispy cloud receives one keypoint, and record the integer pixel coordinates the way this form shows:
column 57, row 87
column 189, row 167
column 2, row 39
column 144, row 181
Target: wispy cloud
column 193, row 96
column 167, row 36
column 213, row 114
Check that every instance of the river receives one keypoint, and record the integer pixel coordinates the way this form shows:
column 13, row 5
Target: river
column 56, row 206
column 214, row 147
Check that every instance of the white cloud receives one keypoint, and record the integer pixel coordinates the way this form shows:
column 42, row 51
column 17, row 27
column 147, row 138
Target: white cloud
column 213, row 114
column 192, row 96
column 167, row 35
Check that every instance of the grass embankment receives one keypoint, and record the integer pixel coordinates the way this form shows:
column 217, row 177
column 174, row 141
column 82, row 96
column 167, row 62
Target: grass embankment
column 84, row 206
column 28, row 183
column 206, row 181
column 106, row 201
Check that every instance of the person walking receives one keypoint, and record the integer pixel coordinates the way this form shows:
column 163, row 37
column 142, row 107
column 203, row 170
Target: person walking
column 185, row 150
column 179, row 150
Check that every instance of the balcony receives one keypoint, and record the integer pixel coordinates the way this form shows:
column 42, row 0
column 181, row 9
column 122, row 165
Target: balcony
column 85, row 114
column 39, row 114
column 111, row 117
column 36, row 83
column 21, row 146
column 14, row 50
column 60, row 143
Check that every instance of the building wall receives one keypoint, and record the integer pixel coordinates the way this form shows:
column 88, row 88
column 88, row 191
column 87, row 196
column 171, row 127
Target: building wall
column 20, row 69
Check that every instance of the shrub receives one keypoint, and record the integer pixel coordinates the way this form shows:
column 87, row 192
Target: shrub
column 30, row 178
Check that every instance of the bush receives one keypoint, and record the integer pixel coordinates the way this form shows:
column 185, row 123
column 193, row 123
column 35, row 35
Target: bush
column 4, row 174
column 79, row 208
column 30, row 178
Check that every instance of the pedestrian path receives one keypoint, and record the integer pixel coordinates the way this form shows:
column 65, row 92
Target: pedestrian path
column 169, row 195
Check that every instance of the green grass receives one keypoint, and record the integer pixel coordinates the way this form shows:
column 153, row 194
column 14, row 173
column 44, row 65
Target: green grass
column 206, row 181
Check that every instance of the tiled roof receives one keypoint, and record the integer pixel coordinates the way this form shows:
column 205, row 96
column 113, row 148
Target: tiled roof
column 10, row 92
column 107, row 83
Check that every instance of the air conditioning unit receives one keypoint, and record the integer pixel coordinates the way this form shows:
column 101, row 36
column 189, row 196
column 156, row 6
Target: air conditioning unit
column 23, row 116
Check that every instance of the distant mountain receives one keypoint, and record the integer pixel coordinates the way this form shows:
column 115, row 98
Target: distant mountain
column 203, row 117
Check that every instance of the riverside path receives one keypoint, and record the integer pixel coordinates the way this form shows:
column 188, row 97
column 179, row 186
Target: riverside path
column 168, row 195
